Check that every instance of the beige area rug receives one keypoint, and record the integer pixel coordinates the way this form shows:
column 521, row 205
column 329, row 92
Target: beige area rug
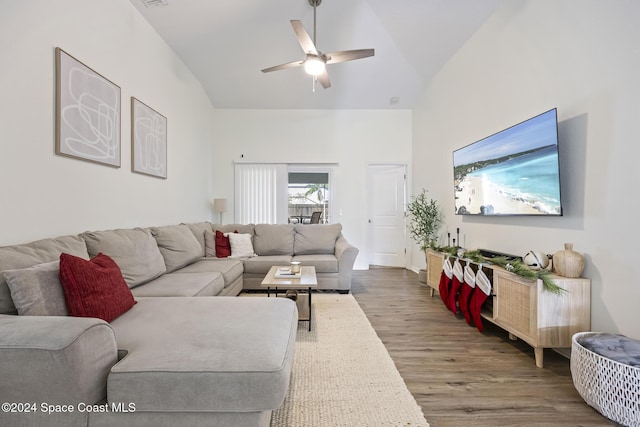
column 342, row 374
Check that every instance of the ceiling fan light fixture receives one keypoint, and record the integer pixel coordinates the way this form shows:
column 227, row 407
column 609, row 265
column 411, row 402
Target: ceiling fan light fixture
column 315, row 62
column 314, row 66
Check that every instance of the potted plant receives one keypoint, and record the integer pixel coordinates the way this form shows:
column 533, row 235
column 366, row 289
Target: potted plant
column 425, row 218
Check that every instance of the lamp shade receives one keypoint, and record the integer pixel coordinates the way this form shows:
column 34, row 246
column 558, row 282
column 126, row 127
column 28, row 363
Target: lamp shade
column 314, row 66
column 219, row 205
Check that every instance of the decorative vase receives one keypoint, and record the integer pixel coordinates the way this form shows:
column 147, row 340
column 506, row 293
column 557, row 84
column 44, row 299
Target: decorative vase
column 567, row 262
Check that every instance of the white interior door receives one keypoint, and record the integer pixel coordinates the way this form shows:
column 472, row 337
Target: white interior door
column 386, row 195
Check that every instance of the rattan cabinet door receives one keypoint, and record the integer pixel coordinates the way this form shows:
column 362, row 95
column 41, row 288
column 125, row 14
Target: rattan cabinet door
column 434, row 267
column 515, row 305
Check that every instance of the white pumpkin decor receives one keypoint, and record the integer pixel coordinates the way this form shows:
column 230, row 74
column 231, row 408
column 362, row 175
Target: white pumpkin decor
column 536, row 260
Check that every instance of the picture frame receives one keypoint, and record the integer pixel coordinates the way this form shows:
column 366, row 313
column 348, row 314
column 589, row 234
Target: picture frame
column 148, row 140
column 87, row 113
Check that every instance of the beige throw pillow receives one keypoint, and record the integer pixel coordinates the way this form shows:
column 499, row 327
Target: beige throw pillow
column 241, row 246
column 30, row 254
column 37, row 291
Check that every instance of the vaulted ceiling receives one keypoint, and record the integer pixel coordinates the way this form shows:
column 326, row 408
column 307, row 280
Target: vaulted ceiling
column 225, row 43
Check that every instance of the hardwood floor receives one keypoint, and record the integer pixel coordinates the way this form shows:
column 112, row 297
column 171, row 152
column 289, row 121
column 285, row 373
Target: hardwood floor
column 461, row 377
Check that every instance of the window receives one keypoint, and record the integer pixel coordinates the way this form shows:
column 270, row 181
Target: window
column 280, row 193
column 309, row 196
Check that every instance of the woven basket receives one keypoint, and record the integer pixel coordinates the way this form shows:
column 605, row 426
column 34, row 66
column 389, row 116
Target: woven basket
column 611, row 387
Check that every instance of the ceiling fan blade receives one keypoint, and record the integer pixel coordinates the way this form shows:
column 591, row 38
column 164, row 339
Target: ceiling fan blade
column 348, row 55
column 283, row 66
column 324, row 79
column 303, row 37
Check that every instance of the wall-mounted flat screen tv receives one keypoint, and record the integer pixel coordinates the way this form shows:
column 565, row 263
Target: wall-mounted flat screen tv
column 512, row 172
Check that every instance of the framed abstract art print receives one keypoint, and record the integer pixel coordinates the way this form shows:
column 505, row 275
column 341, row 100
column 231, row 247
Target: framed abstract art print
column 148, row 140
column 87, row 113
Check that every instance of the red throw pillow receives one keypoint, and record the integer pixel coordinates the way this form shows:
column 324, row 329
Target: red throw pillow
column 94, row 288
column 223, row 247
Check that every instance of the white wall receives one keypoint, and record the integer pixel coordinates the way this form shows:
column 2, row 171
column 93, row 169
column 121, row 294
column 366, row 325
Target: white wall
column 45, row 195
column 351, row 138
column 582, row 57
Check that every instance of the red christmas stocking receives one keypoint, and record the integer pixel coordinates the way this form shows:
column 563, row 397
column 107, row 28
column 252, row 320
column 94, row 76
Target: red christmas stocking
column 458, row 279
column 482, row 292
column 466, row 292
column 445, row 280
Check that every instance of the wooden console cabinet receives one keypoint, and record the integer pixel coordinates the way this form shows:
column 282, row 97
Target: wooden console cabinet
column 434, row 268
column 526, row 310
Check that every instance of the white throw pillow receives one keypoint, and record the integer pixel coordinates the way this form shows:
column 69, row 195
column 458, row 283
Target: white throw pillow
column 241, row 246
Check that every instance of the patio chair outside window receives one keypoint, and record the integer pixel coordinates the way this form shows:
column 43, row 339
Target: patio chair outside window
column 315, row 217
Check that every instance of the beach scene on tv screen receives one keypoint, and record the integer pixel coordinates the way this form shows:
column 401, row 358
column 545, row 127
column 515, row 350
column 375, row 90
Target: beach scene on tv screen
column 513, row 172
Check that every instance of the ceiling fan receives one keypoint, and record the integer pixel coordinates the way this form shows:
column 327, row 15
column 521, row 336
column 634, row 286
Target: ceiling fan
column 315, row 61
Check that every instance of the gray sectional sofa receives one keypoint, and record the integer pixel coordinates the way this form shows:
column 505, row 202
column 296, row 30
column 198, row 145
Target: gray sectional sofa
column 175, row 358
column 320, row 245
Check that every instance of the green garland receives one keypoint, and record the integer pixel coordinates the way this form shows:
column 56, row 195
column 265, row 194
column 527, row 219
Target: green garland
column 514, row 266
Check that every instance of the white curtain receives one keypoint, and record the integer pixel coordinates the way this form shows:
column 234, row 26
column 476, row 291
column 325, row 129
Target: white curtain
column 260, row 193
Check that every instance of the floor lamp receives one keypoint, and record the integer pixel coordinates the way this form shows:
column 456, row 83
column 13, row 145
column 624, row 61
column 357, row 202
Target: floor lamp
column 220, row 206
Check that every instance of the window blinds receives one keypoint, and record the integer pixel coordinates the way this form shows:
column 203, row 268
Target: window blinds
column 260, row 193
